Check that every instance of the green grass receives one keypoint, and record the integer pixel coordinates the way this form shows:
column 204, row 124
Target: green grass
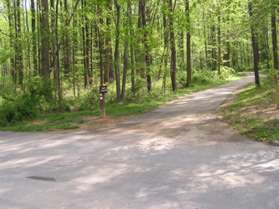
column 73, row 120
column 251, row 125
column 51, row 121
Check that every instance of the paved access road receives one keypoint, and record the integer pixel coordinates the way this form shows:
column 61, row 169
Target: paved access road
column 181, row 156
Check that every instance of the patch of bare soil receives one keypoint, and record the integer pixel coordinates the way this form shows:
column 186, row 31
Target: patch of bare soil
column 38, row 122
column 96, row 124
column 266, row 112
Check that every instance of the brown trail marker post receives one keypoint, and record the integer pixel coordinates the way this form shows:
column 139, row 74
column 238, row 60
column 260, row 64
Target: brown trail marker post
column 103, row 92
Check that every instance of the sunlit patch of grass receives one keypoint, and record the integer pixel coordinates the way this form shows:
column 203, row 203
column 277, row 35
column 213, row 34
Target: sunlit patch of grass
column 251, row 125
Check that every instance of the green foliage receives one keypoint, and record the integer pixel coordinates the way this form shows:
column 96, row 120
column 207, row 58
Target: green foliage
column 4, row 55
column 23, row 105
column 132, row 105
column 83, row 38
column 47, row 122
column 90, row 100
column 206, row 76
column 139, row 86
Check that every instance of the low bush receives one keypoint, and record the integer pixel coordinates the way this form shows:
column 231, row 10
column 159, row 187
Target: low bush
column 23, row 105
column 207, row 76
column 89, row 101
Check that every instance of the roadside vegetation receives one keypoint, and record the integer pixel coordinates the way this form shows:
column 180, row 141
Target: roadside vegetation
column 63, row 62
column 253, row 113
column 27, row 112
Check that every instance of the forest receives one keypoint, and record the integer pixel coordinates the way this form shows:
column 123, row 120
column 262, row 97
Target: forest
column 139, row 104
column 55, row 55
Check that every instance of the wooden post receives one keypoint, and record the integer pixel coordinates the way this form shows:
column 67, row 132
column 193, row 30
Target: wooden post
column 102, row 100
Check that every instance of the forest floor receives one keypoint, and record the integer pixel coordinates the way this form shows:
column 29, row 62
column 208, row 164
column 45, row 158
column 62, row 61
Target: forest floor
column 253, row 113
column 179, row 156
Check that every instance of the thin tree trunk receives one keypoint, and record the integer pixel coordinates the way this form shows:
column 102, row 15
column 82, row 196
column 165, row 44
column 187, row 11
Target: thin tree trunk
column 18, row 48
column 66, row 40
column 54, row 5
column 109, row 74
column 143, row 15
column 125, row 69
column 57, row 61
column 27, row 30
column 172, row 48
column 12, row 42
column 166, row 48
column 34, row 37
column 214, row 47
column 74, row 50
column 205, row 40
column 100, row 33
column 132, row 52
column 85, row 40
column 255, row 45
column 275, row 51
column 219, row 41
column 188, row 44
column 45, row 66
column 116, row 51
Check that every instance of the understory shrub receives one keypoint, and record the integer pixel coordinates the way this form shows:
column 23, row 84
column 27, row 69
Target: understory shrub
column 89, row 101
column 23, row 105
column 207, row 76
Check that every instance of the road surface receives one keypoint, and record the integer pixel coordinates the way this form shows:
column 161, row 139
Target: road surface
column 180, row 156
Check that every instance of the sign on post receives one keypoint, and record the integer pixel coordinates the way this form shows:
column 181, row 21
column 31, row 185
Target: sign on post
column 103, row 91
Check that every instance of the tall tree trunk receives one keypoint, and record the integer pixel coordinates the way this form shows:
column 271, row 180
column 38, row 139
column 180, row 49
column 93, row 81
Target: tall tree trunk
column 66, row 42
column 255, row 46
column 275, row 51
column 54, row 5
column 54, row 48
column 166, row 47
column 188, row 44
column 45, row 66
column 205, row 40
column 18, row 48
column 34, row 37
column 227, row 56
column 100, row 35
column 74, row 51
column 109, row 71
column 126, row 50
column 172, row 47
column 143, row 17
column 214, row 48
column 131, row 42
column 86, row 45
column 29, row 43
column 116, row 51
column 125, row 68
column 12, row 41
column 219, row 41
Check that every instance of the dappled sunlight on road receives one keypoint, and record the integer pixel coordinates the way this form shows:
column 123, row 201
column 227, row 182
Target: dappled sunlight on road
column 176, row 157
column 97, row 176
column 236, row 171
column 156, row 144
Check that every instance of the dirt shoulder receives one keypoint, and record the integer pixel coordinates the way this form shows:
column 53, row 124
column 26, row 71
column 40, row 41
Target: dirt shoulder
column 253, row 113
